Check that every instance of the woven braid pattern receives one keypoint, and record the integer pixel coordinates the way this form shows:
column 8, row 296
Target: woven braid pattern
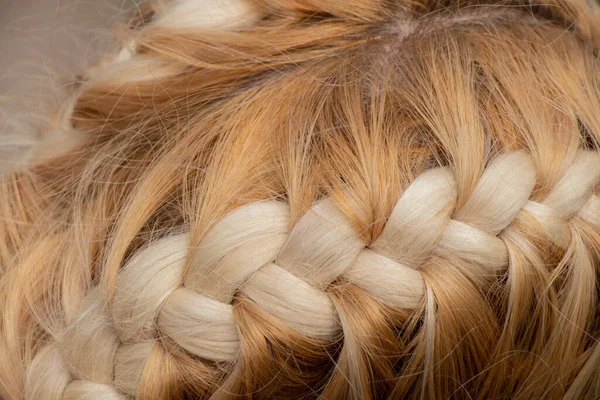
column 287, row 272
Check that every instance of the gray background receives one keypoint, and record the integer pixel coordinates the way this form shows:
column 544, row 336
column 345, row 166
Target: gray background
column 44, row 42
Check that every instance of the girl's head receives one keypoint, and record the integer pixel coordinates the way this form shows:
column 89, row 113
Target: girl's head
column 293, row 199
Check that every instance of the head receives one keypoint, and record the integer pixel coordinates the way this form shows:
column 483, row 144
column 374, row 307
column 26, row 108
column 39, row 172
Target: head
column 346, row 199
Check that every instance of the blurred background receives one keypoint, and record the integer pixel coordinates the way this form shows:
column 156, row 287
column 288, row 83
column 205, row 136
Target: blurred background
column 43, row 44
column 45, row 37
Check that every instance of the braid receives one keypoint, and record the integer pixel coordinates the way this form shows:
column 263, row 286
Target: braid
column 292, row 276
column 293, row 199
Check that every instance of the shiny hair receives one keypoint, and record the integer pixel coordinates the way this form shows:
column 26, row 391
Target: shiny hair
column 351, row 199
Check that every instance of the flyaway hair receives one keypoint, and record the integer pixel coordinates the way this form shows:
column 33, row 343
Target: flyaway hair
column 297, row 199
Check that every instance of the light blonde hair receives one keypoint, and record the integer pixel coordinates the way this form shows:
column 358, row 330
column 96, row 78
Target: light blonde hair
column 333, row 199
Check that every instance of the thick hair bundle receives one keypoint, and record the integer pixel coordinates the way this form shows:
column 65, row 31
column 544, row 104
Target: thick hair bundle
column 280, row 199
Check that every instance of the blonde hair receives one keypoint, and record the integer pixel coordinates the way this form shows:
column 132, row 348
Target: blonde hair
column 315, row 199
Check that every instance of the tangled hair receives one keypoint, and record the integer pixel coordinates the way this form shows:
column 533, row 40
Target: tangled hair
column 344, row 199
